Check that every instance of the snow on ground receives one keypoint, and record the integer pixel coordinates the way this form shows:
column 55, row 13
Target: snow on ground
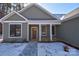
column 11, row 49
column 35, row 48
column 55, row 49
column 30, row 50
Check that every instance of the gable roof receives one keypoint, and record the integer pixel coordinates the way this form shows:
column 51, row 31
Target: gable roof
column 40, row 7
column 10, row 14
column 71, row 15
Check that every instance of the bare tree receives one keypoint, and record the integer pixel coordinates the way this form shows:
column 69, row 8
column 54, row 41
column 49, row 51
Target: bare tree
column 6, row 8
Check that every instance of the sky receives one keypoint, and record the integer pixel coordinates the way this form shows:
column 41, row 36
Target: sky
column 60, row 8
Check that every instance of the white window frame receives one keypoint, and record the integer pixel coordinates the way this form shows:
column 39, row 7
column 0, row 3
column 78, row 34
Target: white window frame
column 9, row 30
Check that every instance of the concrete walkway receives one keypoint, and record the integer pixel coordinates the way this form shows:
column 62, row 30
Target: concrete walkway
column 30, row 49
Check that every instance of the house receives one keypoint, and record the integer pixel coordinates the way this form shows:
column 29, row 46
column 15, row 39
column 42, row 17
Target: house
column 32, row 23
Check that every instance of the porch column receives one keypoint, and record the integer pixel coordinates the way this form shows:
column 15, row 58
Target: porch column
column 27, row 32
column 39, row 32
column 50, row 32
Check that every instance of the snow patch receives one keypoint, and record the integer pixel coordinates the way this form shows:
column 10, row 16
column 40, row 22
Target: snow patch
column 11, row 49
column 38, row 49
column 55, row 49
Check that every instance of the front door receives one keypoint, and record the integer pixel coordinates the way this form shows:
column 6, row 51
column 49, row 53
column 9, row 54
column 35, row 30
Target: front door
column 34, row 33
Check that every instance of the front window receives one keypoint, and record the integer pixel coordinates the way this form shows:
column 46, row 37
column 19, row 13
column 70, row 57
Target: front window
column 15, row 30
column 53, row 30
column 44, row 30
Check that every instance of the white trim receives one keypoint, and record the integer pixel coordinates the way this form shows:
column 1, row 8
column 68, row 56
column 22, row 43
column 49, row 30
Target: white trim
column 69, row 18
column 44, row 22
column 10, row 15
column 39, row 32
column 50, row 32
column 14, row 21
column 37, row 21
column 36, row 33
column 9, row 30
column 21, row 16
column 72, row 14
column 2, row 30
column 6, row 16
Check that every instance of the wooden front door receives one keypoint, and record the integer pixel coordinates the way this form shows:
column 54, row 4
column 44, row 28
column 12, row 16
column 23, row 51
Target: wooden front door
column 34, row 33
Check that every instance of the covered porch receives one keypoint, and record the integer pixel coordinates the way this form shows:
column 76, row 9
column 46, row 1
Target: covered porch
column 45, row 31
column 41, row 32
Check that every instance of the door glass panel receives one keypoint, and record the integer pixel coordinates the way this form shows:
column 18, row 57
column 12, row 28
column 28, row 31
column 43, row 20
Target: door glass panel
column 34, row 33
column 53, row 30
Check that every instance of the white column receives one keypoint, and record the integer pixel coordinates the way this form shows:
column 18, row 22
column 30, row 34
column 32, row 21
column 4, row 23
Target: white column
column 39, row 32
column 27, row 32
column 50, row 32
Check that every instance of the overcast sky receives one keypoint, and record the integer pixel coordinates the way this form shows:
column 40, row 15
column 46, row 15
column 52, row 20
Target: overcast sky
column 60, row 8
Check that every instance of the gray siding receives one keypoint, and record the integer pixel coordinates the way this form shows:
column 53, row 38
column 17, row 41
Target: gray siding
column 6, row 37
column 36, row 13
column 15, row 17
column 69, row 31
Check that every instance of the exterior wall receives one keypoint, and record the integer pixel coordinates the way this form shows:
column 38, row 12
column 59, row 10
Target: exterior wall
column 35, row 13
column 15, row 17
column 6, row 34
column 69, row 31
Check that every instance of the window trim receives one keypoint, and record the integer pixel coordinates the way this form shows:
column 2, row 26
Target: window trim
column 45, row 30
column 9, row 30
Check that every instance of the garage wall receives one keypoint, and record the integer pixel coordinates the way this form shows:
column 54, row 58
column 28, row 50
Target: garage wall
column 69, row 31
